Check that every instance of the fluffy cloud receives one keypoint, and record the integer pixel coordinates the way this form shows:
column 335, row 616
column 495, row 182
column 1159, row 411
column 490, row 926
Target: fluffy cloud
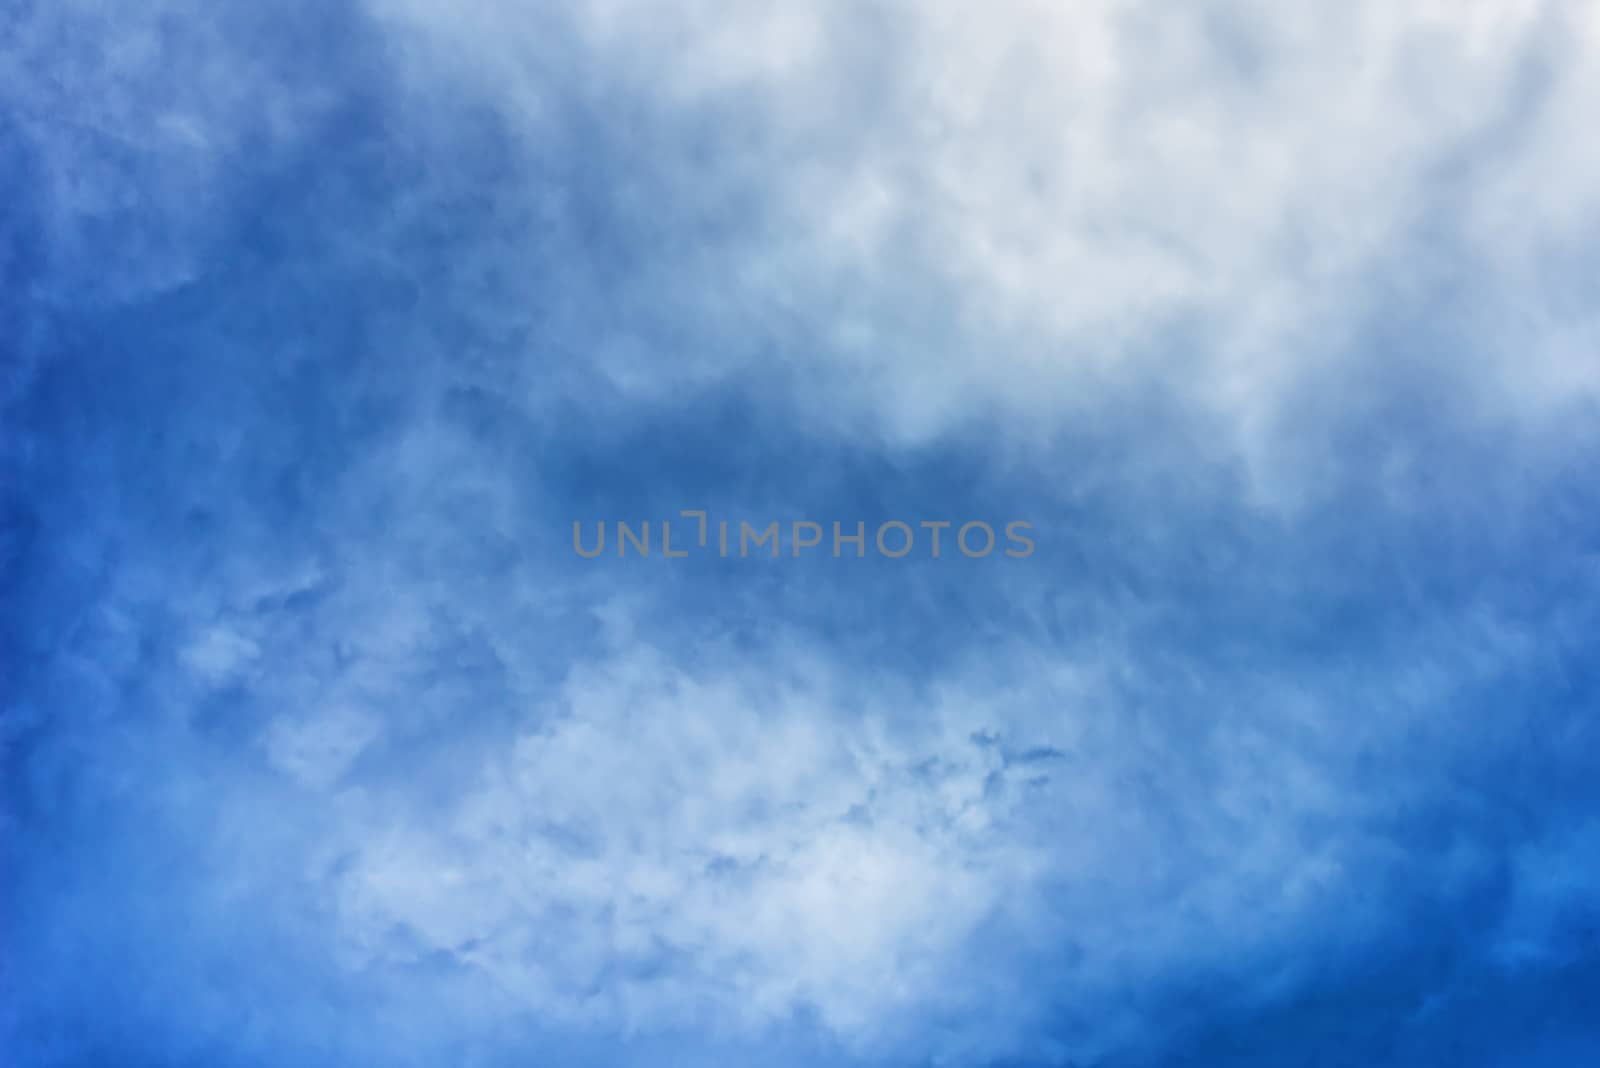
column 1003, row 209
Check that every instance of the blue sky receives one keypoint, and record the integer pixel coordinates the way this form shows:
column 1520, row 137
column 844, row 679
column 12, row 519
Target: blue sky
column 321, row 324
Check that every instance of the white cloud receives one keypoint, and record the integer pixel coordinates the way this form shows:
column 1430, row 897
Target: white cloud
column 1002, row 209
column 732, row 833
column 725, row 846
column 219, row 655
column 317, row 748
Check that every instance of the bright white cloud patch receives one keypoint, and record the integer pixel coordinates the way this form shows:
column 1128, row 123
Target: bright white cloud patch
column 1007, row 206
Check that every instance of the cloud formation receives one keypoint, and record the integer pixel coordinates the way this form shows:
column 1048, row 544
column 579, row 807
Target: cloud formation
column 321, row 746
